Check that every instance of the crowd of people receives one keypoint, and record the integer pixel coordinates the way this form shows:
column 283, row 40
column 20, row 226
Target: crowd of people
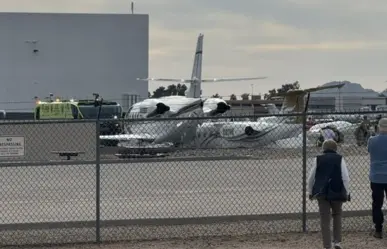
column 363, row 132
column 328, row 183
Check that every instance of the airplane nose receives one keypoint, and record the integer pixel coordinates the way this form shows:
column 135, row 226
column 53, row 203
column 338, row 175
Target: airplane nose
column 161, row 108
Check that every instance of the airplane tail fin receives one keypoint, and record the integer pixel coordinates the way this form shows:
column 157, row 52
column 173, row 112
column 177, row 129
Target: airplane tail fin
column 194, row 90
column 272, row 109
column 294, row 100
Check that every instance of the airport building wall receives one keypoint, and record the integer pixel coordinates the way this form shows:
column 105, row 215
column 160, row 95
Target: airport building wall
column 71, row 56
column 374, row 102
column 356, row 102
column 322, row 103
column 341, row 103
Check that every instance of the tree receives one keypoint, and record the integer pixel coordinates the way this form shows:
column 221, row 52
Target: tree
column 284, row 88
column 178, row 89
column 149, row 95
column 216, row 96
column 271, row 93
column 287, row 87
column 233, row 97
column 245, row 96
column 159, row 92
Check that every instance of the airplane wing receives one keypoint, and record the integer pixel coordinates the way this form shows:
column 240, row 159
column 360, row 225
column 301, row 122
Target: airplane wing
column 232, row 79
column 128, row 137
column 204, row 80
column 319, row 88
column 305, row 91
column 167, row 80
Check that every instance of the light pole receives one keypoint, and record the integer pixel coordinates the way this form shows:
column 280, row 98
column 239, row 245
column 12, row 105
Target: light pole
column 252, row 93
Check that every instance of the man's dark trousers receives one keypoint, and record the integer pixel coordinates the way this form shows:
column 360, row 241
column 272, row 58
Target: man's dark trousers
column 378, row 190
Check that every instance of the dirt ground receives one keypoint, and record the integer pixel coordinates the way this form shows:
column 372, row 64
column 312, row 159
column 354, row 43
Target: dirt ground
column 278, row 241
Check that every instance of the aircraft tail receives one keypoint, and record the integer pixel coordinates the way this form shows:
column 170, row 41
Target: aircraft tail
column 195, row 90
column 272, row 109
column 294, row 100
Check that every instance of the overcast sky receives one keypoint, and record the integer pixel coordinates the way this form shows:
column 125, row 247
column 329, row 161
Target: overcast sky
column 312, row 41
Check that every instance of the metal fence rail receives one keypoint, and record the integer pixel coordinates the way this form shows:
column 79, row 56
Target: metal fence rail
column 59, row 185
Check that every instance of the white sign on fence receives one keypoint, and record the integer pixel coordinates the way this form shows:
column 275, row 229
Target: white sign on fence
column 11, row 146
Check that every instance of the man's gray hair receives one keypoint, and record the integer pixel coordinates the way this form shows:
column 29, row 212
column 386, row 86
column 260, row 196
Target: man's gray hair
column 383, row 125
column 329, row 144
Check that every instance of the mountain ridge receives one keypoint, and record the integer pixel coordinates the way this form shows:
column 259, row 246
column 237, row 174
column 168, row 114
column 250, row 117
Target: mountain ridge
column 350, row 89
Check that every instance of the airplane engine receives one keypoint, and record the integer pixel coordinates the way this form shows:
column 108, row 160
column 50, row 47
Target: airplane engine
column 250, row 131
column 222, row 108
column 161, row 108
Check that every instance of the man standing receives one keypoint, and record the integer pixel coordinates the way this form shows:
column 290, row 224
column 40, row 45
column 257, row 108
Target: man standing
column 378, row 175
column 362, row 133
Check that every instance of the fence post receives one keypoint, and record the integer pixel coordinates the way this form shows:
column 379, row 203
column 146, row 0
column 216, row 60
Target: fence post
column 97, row 184
column 304, row 198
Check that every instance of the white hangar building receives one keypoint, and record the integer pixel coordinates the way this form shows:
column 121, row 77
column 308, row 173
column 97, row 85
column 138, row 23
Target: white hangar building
column 71, row 56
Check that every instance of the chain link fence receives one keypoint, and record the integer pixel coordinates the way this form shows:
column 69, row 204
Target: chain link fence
column 176, row 178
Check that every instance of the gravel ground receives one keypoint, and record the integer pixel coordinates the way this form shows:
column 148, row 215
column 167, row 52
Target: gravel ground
column 242, row 229
column 271, row 241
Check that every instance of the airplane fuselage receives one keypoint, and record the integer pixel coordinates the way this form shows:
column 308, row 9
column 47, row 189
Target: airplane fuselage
column 243, row 134
column 345, row 127
column 174, row 131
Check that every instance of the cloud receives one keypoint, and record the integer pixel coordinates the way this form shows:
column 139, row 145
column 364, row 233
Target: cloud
column 312, row 41
column 225, row 31
column 322, row 46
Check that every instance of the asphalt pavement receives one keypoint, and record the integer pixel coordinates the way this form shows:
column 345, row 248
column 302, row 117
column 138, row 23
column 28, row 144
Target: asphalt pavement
column 165, row 190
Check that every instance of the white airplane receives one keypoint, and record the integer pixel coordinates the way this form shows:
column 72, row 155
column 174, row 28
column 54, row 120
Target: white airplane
column 351, row 118
column 191, row 105
column 344, row 127
column 261, row 132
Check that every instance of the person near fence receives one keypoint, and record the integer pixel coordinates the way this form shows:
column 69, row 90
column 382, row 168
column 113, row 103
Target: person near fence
column 376, row 124
column 362, row 133
column 330, row 132
column 328, row 182
column 378, row 174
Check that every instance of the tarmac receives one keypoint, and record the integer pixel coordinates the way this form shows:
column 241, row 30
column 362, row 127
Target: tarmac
column 165, row 190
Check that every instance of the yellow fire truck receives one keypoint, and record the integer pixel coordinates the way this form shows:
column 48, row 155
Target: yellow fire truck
column 57, row 110
column 110, row 113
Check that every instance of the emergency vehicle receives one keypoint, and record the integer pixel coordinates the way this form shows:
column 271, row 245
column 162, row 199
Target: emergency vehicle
column 57, row 110
column 110, row 113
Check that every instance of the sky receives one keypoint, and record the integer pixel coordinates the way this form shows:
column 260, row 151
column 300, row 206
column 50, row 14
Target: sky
column 310, row 41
